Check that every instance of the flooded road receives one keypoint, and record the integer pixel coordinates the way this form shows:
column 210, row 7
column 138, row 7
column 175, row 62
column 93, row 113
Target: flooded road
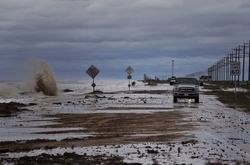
column 140, row 126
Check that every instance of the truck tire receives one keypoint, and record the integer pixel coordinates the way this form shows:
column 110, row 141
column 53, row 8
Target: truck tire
column 197, row 100
column 175, row 99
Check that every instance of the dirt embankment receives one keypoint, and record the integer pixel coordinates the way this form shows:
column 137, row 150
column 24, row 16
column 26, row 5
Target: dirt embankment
column 12, row 108
column 239, row 100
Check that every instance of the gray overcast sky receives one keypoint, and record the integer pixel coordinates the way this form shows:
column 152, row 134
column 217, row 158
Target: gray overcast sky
column 114, row 34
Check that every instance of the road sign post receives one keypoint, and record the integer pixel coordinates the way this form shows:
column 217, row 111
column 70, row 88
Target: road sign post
column 235, row 71
column 93, row 72
column 129, row 70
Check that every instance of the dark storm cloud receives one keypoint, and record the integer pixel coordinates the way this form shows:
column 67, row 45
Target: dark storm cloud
column 113, row 34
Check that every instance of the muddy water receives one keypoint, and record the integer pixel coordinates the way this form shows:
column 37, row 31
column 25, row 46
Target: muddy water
column 208, row 131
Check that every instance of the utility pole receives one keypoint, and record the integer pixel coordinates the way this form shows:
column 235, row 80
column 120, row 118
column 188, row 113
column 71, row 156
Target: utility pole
column 221, row 69
column 248, row 44
column 231, row 55
column 249, row 61
column 217, row 71
column 243, row 62
column 227, row 68
column 224, row 68
column 172, row 68
column 238, row 60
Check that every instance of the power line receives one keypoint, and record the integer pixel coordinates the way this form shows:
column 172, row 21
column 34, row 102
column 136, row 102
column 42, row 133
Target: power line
column 220, row 71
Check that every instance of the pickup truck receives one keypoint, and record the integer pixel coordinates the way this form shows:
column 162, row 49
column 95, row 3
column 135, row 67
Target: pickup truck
column 185, row 87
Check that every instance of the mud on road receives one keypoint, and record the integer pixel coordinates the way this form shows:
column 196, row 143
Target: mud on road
column 111, row 129
column 113, row 121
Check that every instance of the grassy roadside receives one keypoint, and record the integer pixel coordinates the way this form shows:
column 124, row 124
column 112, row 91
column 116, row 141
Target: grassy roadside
column 228, row 97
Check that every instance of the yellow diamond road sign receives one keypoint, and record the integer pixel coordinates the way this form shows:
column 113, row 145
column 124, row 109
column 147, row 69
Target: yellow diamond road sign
column 92, row 71
column 129, row 70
